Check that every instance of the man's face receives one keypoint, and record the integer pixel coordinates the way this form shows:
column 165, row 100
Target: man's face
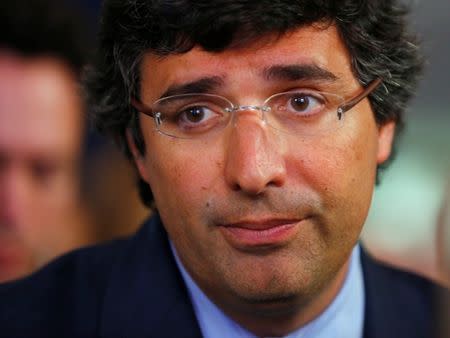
column 262, row 218
column 40, row 132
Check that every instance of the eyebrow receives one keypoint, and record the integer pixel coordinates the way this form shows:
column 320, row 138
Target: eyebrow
column 200, row 86
column 293, row 72
column 296, row 72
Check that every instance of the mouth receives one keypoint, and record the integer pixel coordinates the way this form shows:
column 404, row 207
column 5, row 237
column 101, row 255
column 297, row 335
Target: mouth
column 262, row 233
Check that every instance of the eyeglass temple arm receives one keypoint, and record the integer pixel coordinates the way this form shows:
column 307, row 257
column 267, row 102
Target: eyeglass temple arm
column 353, row 102
column 141, row 107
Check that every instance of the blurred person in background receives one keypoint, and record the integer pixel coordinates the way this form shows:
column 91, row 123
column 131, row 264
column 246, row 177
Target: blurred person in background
column 108, row 185
column 43, row 45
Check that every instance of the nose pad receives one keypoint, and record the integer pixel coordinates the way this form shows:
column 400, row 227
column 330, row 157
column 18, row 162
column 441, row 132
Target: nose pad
column 250, row 109
column 254, row 158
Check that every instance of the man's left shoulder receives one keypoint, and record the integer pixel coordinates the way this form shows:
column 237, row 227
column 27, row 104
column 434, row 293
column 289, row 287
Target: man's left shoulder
column 382, row 275
column 398, row 303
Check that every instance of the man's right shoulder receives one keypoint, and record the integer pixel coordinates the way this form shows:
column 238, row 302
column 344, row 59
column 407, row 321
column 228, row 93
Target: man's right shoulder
column 127, row 288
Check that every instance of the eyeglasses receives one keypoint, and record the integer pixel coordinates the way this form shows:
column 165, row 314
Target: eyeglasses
column 300, row 111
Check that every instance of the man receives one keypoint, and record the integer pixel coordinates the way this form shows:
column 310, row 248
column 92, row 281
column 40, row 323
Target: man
column 42, row 49
column 257, row 128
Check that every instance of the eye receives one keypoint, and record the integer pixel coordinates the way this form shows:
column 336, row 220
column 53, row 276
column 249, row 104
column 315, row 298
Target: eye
column 198, row 118
column 195, row 115
column 304, row 103
column 44, row 171
column 299, row 104
column 188, row 114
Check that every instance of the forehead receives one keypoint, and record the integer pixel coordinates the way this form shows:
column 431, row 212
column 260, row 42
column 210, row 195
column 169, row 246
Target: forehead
column 312, row 45
column 40, row 106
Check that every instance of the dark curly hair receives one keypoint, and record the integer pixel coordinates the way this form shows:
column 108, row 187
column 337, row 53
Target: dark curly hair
column 54, row 28
column 375, row 33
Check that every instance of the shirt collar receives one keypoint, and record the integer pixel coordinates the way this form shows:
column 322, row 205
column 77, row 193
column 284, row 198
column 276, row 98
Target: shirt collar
column 343, row 318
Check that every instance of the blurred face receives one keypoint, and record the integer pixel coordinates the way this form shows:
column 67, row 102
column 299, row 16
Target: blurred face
column 264, row 221
column 40, row 131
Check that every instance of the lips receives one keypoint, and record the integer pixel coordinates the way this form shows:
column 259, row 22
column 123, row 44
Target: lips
column 259, row 233
column 263, row 224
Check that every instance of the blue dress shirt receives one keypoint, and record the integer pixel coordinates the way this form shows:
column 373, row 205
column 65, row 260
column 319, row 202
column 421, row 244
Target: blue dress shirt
column 343, row 318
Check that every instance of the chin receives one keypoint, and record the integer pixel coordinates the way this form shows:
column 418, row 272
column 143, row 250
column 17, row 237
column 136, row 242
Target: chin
column 277, row 288
column 271, row 289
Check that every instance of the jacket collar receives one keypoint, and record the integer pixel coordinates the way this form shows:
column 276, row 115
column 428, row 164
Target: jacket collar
column 146, row 296
column 397, row 304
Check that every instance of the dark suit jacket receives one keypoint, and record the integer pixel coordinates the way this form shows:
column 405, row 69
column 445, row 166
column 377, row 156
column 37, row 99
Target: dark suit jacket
column 132, row 288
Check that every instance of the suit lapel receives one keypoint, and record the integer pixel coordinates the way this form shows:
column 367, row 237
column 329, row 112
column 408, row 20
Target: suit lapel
column 398, row 304
column 146, row 296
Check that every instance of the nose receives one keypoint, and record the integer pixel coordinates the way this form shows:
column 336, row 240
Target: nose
column 254, row 157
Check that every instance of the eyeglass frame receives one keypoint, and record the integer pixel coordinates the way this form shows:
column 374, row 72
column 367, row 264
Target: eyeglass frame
column 343, row 108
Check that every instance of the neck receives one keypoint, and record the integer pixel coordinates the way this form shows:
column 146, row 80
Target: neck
column 274, row 318
column 281, row 317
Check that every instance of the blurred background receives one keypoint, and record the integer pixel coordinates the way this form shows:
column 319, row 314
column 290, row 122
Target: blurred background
column 62, row 186
column 402, row 227
column 402, row 224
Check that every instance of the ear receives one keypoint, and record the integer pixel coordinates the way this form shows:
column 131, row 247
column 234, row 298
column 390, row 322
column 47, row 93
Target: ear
column 386, row 134
column 138, row 158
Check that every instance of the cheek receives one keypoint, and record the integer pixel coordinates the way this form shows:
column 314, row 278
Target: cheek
column 340, row 169
column 182, row 185
column 181, row 182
